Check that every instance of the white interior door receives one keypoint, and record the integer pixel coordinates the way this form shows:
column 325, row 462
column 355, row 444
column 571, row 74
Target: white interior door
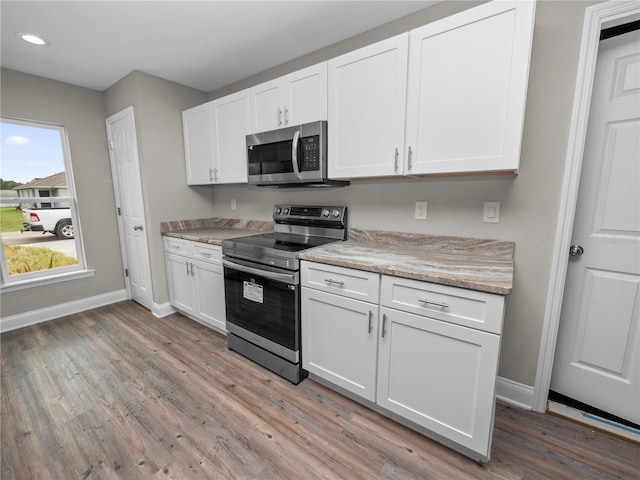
column 597, row 358
column 123, row 150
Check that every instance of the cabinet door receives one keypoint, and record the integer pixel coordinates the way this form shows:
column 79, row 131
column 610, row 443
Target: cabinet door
column 210, row 294
column 231, row 126
column 440, row 376
column 467, row 90
column 266, row 113
column 197, row 124
column 366, row 110
column 181, row 283
column 305, row 95
column 339, row 341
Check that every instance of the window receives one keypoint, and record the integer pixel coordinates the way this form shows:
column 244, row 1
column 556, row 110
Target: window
column 39, row 226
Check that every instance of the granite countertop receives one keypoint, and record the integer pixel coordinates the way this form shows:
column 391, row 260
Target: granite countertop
column 476, row 264
column 213, row 230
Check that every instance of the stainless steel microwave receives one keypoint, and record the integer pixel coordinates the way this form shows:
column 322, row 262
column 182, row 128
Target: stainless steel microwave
column 290, row 157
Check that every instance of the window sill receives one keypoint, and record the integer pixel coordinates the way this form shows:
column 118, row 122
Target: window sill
column 38, row 282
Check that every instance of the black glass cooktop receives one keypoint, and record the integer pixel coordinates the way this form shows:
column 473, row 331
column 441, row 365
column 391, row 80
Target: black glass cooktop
column 284, row 242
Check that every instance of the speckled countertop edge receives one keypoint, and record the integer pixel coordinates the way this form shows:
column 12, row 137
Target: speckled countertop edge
column 213, row 230
column 476, row 264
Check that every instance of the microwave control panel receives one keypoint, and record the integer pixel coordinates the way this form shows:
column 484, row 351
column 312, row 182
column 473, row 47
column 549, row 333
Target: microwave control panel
column 310, row 153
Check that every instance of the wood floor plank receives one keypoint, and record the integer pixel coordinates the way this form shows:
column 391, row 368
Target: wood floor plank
column 116, row 393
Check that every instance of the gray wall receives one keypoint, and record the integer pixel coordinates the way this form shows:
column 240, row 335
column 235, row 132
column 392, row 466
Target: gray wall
column 529, row 200
column 82, row 112
column 158, row 106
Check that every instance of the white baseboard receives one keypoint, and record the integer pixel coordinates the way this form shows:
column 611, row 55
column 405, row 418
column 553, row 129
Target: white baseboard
column 162, row 309
column 45, row 314
column 514, row 393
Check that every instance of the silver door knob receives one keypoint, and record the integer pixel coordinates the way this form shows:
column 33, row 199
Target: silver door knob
column 576, row 250
column 137, row 227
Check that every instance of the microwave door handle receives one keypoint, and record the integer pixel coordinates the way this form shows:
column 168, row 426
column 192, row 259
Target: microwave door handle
column 294, row 154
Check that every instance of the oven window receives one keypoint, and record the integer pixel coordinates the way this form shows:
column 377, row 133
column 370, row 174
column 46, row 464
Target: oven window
column 262, row 306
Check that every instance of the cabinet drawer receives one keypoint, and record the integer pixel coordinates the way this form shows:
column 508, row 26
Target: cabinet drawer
column 207, row 253
column 177, row 245
column 347, row 282
column 470, row 308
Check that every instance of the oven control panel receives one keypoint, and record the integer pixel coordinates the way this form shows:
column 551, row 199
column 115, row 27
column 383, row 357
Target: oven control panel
column 308, row 213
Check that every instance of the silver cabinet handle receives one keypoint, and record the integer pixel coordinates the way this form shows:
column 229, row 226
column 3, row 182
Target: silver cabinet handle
column 384, row 324
column 437, row 304
column 211, row 174
column 193, row 270
column 410, row 153
column 370, row 321
column 279, row 117
column 286, row 116
column 215, row 174
column 186, row 264
column 334, row 282
column 395, row 162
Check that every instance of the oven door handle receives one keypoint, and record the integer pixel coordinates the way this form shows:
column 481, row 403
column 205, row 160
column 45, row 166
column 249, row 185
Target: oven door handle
column 278, row 277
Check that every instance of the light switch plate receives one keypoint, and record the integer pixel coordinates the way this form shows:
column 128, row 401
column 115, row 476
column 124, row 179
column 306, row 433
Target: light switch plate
column 491, row 212
column 421, row 211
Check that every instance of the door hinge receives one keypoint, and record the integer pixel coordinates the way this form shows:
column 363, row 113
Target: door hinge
column 119, row 212
column 126, row 272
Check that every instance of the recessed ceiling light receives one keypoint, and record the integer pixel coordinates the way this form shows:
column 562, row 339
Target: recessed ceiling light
column 33, row 39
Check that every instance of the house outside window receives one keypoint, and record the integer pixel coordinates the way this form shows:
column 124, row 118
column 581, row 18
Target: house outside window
column 39, row 227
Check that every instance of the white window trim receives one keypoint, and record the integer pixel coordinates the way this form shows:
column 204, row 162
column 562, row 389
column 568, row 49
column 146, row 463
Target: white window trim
column 48, row 280
column 21, row 281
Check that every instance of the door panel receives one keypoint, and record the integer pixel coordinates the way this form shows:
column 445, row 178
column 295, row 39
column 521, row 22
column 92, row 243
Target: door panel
column 597, row 359
column 128, row 189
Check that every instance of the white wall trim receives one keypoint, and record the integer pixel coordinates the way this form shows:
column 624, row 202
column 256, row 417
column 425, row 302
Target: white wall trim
column 514, row 393
column 50, row 313
column 162, row 310
column 596, row 17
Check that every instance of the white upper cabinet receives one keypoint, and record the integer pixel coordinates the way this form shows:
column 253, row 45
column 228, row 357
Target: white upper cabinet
column 467, row 90
column 215, row 138
column 366, row 117
column 300, row 97
column 197, row 125
column 230, row 128
column 448, row 97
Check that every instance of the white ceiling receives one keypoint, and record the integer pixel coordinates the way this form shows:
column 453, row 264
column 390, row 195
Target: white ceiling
column 203, row 44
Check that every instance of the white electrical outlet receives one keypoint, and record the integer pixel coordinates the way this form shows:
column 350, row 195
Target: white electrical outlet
column 421, row 211
column 491, row 212
column 234, row 205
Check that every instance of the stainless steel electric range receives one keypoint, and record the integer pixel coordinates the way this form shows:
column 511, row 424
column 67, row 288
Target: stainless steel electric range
column 262, row 285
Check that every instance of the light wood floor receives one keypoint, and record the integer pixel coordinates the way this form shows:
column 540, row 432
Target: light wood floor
column 117, row 393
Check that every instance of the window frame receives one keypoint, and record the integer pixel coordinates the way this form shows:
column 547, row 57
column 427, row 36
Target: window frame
column 58, row 274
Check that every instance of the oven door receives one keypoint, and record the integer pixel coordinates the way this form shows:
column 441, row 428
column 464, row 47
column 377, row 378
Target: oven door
column 263, row 306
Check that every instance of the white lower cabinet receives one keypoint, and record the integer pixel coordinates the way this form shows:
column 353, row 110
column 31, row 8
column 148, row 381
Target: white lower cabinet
column 440, row 376
column 196, row 281
column 340, row 341
column 408, row 349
